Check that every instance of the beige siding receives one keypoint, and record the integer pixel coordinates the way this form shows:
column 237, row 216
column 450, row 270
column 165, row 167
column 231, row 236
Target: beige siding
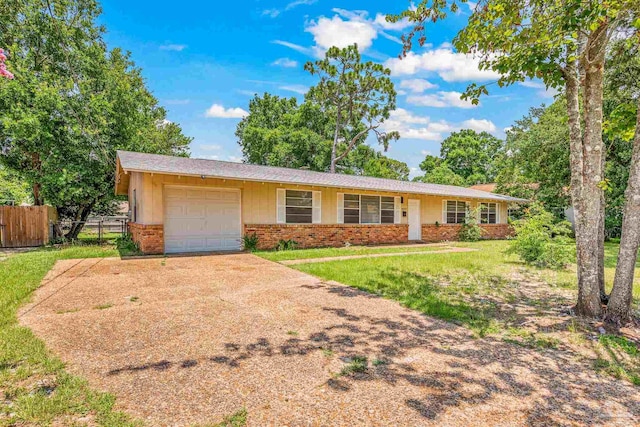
column 259, row 199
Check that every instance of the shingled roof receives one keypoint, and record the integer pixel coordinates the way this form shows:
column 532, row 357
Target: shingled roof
column 154, row 163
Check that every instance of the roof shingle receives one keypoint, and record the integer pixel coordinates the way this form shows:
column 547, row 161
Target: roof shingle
column 156, row 163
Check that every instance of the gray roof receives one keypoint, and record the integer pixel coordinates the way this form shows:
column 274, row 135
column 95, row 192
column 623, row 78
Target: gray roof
column 155, row 163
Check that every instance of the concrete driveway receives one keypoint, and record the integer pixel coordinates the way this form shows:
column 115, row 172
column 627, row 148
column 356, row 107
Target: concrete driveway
column 189, row 340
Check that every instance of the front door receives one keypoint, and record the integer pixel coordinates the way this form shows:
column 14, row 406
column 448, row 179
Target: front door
column 415, row 228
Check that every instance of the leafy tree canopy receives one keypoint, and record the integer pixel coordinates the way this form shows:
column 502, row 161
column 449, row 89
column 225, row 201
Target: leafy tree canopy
column 466, row 157
column 280, row 132
column 71, row 105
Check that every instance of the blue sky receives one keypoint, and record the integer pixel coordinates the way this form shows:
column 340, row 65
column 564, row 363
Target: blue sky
column 204, row 60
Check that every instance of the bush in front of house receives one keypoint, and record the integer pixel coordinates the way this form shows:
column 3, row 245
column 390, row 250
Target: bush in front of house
column 541, row 240
column 470, row 230
column 286, row 245
column 250, row 242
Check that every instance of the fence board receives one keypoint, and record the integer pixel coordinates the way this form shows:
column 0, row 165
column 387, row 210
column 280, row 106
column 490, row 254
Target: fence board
column 25, row 225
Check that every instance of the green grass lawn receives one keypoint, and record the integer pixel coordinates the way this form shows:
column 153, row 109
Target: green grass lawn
column 36, row 389
column 334, row 252
column 480, row 291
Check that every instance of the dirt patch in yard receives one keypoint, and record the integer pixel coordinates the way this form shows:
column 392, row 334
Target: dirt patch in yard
column 190, row 340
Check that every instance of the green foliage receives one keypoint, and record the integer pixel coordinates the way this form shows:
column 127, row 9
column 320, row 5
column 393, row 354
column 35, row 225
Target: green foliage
column 470, row 231
column 357, row 364
column 279, row 132
column 71, row 105
column 541, row 240
column 286, row 245
column 357, row 95
column 126, row 246
column 13, row 190
column 250, row 242
column 25, row 360
column 466, row 157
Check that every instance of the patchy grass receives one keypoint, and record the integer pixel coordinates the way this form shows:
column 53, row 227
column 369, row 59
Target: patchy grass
column 238, row 419
column 451, row 286
column 36, row 389
column 335, row 252
column 103, row 306
column 357, row 364
column 619, row 357
column 493, row 293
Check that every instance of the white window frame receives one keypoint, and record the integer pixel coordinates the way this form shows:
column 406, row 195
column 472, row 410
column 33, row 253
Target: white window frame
column 281, row 206
column 445, row 211
column 397, row 208
column 497, row 212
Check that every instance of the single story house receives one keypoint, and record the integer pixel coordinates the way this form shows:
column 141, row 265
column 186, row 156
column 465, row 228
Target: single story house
column 180, row 204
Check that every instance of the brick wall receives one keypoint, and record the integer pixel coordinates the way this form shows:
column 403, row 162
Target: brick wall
column 442, row 232
column 324, row 235
column 150, row 238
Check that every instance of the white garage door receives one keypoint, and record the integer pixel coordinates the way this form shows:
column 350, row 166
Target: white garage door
column 198, row 220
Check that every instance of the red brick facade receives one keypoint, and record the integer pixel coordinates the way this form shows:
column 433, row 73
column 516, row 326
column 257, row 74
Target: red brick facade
column 443, row 232
column 324, row 235
column 150, row 238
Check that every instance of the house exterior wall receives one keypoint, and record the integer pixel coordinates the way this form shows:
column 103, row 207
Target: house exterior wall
column 259, row 205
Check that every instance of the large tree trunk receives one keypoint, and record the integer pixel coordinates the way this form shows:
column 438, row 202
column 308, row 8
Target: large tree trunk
column 601, row 236
column 619, row 309
column 78, row 224
column 334, row 147
column 586, row 168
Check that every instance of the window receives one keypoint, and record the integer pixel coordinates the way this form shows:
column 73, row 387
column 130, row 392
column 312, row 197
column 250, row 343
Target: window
column 455, row 212
column 364, row 209
column 299, row 207
column 387, row 210
column 351, row 209
column 488, row 213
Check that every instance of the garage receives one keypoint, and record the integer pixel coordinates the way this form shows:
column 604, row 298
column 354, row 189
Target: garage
column 201, row 219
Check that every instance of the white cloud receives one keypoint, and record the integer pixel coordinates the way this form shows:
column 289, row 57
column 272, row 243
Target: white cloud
column 271, row 13
column 394, row 26
column 480, row 125
column 173, row 47
column 217, row 110
column 417, row 85
column 412, row 126
column 472, row 6
column 441, row 99
column 210, row 147
column 274, row 13
column 328, row 32
column 426, row 153
column 235, row 159
column 285, row 62
column 296, row 47
column 295, row 88
column 449, row 65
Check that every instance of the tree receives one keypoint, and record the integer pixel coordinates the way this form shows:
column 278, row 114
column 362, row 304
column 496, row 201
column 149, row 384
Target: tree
column 442, row 174
column 279, row 132
column 472, row 155
column 12, row 189
column 359, row 97
column 563, row 43
column 71, row 106
column 624, row 80
column 466, row 157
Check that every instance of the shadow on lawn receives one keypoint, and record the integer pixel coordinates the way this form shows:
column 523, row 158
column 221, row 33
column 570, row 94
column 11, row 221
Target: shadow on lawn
column 467, row 371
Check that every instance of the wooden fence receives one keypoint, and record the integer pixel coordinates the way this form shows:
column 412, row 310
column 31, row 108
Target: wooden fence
column 25, row 225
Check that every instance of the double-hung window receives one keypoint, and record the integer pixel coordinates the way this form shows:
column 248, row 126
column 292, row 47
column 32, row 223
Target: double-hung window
column 366, row 209
column 454, row 212
column 488, row 213
column 298, row 206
